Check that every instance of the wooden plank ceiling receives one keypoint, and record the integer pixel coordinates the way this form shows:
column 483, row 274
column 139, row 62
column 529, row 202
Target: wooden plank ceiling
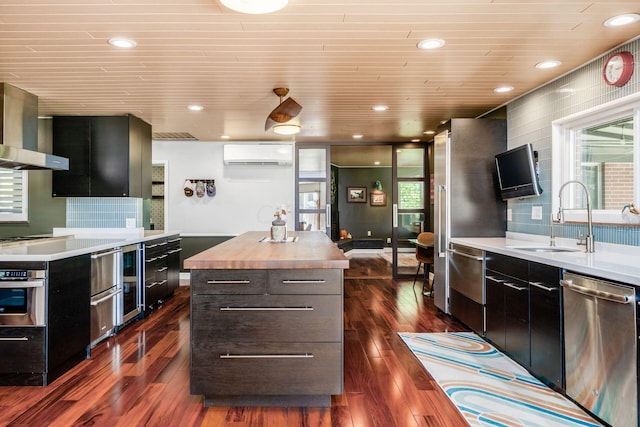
column 339, row 58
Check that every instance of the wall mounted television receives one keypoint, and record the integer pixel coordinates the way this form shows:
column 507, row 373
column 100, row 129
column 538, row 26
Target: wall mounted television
column 518, row 173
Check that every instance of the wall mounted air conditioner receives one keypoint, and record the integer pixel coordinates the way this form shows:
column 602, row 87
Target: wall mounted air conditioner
column 257, row 154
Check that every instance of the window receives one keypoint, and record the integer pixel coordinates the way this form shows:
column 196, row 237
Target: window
column 13, row 195
column 600, row 148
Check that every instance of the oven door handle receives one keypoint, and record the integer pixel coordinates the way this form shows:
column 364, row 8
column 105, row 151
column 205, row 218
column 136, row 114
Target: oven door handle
column 21, row 284
column 107, row 297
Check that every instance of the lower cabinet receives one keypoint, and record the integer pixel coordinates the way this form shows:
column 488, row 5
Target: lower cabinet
column 174, row 251
column 266, row 337
column 161, row 270
column 507, row 306
column 37, row 355
column 155, row 273
column 545, row 308
column 523, row 314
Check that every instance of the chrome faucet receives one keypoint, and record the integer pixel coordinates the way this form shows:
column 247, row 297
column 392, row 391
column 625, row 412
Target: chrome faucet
column 552, row 237
column 589, row 241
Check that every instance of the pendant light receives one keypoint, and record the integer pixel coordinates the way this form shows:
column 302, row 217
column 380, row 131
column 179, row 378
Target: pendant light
column 254, row 6
column 287, row 129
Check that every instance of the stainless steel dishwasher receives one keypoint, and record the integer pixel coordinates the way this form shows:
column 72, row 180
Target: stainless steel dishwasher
column 466, row 286
column 601, row 347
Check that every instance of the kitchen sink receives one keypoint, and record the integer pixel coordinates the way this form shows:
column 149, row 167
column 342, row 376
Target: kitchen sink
column 545, row 249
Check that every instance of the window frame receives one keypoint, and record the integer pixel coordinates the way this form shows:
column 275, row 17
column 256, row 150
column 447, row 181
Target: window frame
column 563, row 155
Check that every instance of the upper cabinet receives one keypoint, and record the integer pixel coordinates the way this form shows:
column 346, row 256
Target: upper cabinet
column 109, row 156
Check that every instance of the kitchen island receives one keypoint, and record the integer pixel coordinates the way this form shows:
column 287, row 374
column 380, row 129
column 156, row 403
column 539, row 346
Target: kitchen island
column 47, row 314
column 266, row 321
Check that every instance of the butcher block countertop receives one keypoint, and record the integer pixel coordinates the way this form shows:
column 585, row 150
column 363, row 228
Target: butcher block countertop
column 253, row 250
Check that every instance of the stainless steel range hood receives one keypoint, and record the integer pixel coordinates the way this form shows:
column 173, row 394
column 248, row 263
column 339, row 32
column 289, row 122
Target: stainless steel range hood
column 19, row 133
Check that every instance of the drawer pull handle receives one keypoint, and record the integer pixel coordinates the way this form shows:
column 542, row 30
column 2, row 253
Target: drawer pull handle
column 174, row 251
column 15, row 339
column 228, row 282
column 151, row 259
column 493, row 279
column 160, row 270
column 543, row 287
column 300, row 282
column 266, row 308
column 512, row 286
column 175, row 240
column 266, row 356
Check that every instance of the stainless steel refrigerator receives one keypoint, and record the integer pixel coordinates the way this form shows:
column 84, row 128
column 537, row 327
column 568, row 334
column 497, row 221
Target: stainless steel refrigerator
column 466, row 204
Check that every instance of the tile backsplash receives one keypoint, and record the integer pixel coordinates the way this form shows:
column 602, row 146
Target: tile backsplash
column 529, row 121
column 103, row 212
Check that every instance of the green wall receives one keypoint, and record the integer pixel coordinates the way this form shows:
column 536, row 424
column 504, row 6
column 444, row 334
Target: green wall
column 45, row 212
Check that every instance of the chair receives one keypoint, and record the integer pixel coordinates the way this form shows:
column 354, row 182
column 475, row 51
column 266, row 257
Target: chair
column 424, row 255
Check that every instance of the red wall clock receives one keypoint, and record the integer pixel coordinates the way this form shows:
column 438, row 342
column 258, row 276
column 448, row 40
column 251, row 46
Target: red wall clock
column 618, row 68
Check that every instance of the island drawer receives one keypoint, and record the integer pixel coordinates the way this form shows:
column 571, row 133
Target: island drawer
column 21, row 350
column 305, row 281
column 281, row 318
column 228, row 282
column 220, row 368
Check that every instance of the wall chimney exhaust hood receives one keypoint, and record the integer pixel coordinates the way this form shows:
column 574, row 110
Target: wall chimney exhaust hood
column 19, row 133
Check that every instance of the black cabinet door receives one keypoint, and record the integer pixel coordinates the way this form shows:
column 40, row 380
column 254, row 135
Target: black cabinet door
column 110, row 156
column 495, row 309
column 68, row 329
column 173, row 262
column 516, row 301
column 546, row 324
column 72, row 139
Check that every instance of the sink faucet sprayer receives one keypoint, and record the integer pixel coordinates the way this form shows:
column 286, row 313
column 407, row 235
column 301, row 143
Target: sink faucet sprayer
column 589, row 241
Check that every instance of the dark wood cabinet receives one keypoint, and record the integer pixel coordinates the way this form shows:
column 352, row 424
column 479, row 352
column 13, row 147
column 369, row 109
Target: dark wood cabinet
column 507, row 306
column 266, row 337
column 69, row 320
column 174, row 251
column 109, row 156
column 155, row 273
column 545, row 307
column 523, row 314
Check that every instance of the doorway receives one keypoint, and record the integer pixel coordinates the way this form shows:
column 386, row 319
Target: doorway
column 158, row 211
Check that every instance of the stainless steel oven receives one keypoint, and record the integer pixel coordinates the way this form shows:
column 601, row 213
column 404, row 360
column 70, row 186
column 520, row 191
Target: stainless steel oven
column 131, row 300
column 22, row 295
column 106, row 289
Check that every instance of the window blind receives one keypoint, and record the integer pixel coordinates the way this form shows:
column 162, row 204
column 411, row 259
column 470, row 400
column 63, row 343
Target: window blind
column 13, row 195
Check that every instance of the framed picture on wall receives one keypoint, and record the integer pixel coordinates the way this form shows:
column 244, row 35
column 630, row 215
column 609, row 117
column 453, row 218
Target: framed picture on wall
column 356, row 194
column 378, row 199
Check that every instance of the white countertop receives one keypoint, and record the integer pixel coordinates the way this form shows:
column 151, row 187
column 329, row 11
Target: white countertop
column 78, row 243
column 613, row 262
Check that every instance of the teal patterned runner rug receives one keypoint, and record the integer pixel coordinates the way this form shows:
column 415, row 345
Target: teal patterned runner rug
column 487, row 387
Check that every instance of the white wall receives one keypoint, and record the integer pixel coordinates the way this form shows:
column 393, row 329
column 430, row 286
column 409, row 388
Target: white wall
column 246, row 195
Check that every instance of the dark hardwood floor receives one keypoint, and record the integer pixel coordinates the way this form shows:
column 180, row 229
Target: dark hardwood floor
column 140, row 377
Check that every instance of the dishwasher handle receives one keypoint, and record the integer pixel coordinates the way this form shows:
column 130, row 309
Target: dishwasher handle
column 464, row 254
column 620, row 299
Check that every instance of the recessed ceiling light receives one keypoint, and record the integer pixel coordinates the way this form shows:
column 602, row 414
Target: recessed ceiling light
column 415, row 140
column 619, row 20
column 503, row 89
column 225, row 137
column 430, row 43
column 357, row 136
column 122, row 42
column 255, row 6
column 429, row 132
column 552, row 63
column 194, row 107
column 377, row 163
column 380, row 108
